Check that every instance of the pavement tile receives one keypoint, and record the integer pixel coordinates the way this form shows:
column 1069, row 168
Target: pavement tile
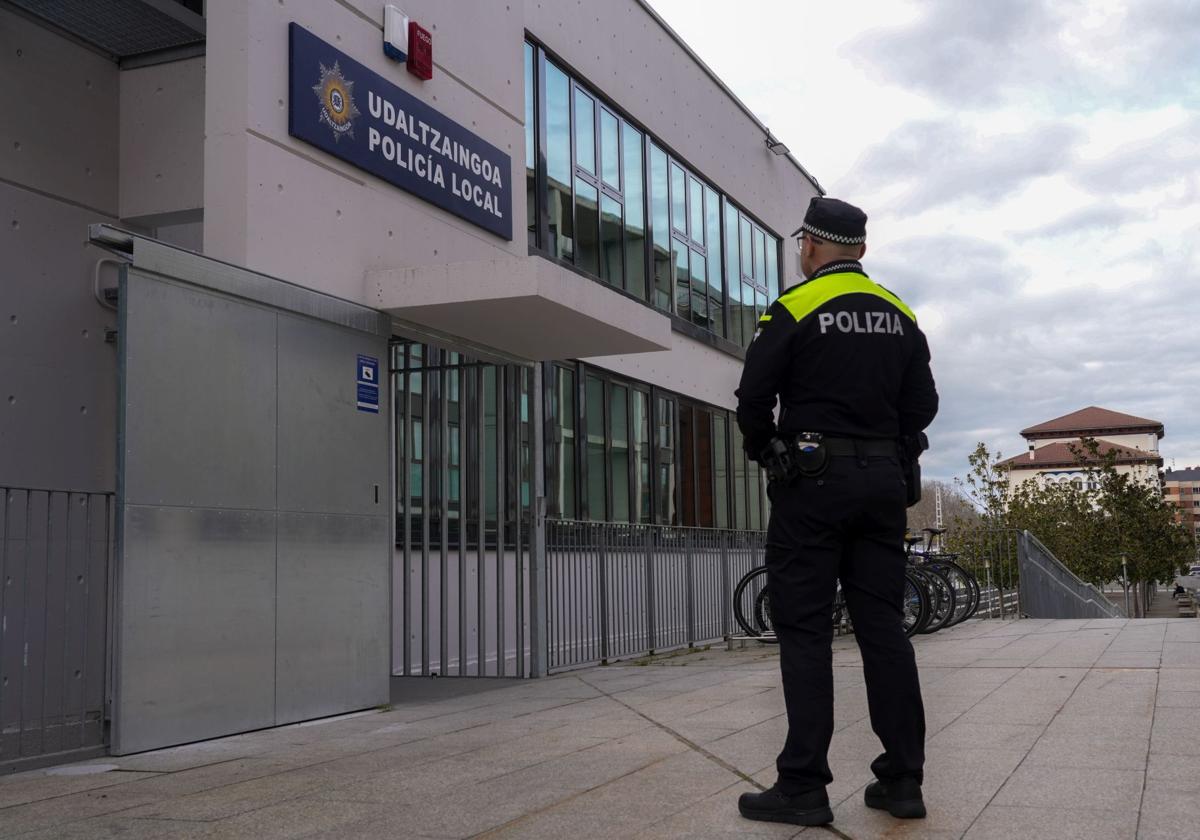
column 1072, row 787
column 969, row 735
column 1181, row 653
column 715, row 818
column 1004, row 822
column 1099, row 750
column 1181, row 772
column 1167, row 812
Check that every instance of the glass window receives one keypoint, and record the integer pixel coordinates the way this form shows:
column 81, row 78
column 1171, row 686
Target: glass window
column 564, row 409
column 587, row 221
column 610, row 149
column 641, row 455
column 682, row 278
column 594, row 404
column 712, row 236
column 610, row 240
column 687, row 467
column 704, row 468
column 760, row 258
column 739, row 479
column 618, row 419
column 530, row 148
column 635, row 219
column 660, row 217
column 749, row 319
column 733, row 272
column 585, row 131
column 696, row 197
column 747, row 247
column 699, row 289
column 558, row 163
column 772, row 269
column 720, row 472
column 678, row 199
column 665, row 456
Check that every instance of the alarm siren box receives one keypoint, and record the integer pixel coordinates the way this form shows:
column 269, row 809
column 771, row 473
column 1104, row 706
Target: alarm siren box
column 395, row 33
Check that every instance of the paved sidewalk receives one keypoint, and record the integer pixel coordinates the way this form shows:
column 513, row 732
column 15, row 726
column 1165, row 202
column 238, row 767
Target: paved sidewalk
column 1040, row 729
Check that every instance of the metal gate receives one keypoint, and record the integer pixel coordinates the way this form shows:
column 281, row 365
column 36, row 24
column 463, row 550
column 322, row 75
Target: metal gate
column 55, row 548
column 252, row 501
column 466, row 454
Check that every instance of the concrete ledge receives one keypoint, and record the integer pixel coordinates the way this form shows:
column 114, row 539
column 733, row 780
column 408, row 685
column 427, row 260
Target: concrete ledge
column 526, row 307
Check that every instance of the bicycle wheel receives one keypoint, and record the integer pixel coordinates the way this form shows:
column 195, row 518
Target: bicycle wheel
column 960, row 582
column 916, row 603
column 941, row 603
column 762, row 615
column 745, row 596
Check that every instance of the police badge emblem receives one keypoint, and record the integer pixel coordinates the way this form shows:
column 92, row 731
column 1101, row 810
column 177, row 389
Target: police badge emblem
column 336, row 95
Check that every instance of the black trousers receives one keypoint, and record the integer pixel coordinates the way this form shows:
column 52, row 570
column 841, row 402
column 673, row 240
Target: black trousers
column 848, row 525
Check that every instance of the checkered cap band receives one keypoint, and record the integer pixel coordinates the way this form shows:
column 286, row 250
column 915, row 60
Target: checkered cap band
column 833, row 237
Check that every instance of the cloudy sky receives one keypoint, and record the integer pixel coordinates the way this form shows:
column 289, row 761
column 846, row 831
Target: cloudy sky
column 1032, row 173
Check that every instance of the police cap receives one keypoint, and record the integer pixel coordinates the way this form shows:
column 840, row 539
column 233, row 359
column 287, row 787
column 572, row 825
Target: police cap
column 834, row 221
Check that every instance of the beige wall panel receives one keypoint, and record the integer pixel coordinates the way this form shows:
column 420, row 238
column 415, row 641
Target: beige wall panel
column 59, row 101
column 162, row 138
column 689, row 367
column 226, row 89
column 58, row 380
column 494, row 69
column 325, row 231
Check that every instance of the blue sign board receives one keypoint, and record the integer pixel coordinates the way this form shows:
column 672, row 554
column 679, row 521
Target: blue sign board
column 353, row 113
column 367, row 384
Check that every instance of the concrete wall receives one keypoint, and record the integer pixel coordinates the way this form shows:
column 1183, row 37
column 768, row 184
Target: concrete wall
column 59, row 153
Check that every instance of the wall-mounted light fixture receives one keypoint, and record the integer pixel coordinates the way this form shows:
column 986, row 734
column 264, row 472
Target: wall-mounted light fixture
column 776, row 146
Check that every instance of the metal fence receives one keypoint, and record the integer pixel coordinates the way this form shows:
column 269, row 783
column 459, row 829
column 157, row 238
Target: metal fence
column 616, row 591
column 55, row 558
column 1050, row 590
column 991, row 556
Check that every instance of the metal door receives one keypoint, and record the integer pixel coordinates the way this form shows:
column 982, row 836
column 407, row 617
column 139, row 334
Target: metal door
column 252, row 560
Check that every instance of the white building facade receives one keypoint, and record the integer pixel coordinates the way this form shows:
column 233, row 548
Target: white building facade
column 547, row 258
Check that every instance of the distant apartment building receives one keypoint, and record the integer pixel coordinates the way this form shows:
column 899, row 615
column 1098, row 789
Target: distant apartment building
column 1051, row 456
column 1182, row 489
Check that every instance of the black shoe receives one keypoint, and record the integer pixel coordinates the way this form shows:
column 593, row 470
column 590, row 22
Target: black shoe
column 900, row 797
column 809, row 808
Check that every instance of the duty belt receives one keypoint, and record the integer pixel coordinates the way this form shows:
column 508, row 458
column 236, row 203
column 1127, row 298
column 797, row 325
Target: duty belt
column 861, row 447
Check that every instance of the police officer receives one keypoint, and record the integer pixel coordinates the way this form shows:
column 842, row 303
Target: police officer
column 851, row 370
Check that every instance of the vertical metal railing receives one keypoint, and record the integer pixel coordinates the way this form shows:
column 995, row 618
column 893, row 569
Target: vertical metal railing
column 618, row 590
column 55, row 559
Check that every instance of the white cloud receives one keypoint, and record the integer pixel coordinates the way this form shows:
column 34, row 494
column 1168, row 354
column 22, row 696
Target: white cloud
column 1032, row 174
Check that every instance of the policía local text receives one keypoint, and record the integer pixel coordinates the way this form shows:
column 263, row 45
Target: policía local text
column 424, row 163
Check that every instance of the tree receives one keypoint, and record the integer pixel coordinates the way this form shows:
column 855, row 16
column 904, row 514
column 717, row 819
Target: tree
column 1096, row 528
column 955, row 506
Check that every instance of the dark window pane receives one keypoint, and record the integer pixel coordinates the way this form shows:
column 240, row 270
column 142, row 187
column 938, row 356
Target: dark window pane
column 585, row 131
column 704, row 469
column 733, row 272
column 660, row 216
column 618, row 419
column 682, row 278
column 641, row 455
column 699, row 289
column 587, row 220
column 665, row 442
column 696, row 197
column 610, row 239
column 720, row 471
column 687, row 467
column 712, row 227
column 596, row 496
column 610, row 151
column 490, row 448
column 558, row 163
column 739, row 480
column 772, row 268
column 747, row 248
column 635, row 219
column 678, row 199
column 564, row 408
column 760, row 258
column 749, row 315
column 530, row 148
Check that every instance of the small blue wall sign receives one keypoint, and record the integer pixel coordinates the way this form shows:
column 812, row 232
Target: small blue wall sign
column 355, row 114
column 367, row 384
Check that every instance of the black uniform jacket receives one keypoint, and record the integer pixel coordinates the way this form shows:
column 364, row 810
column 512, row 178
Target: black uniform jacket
column 845, row 357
